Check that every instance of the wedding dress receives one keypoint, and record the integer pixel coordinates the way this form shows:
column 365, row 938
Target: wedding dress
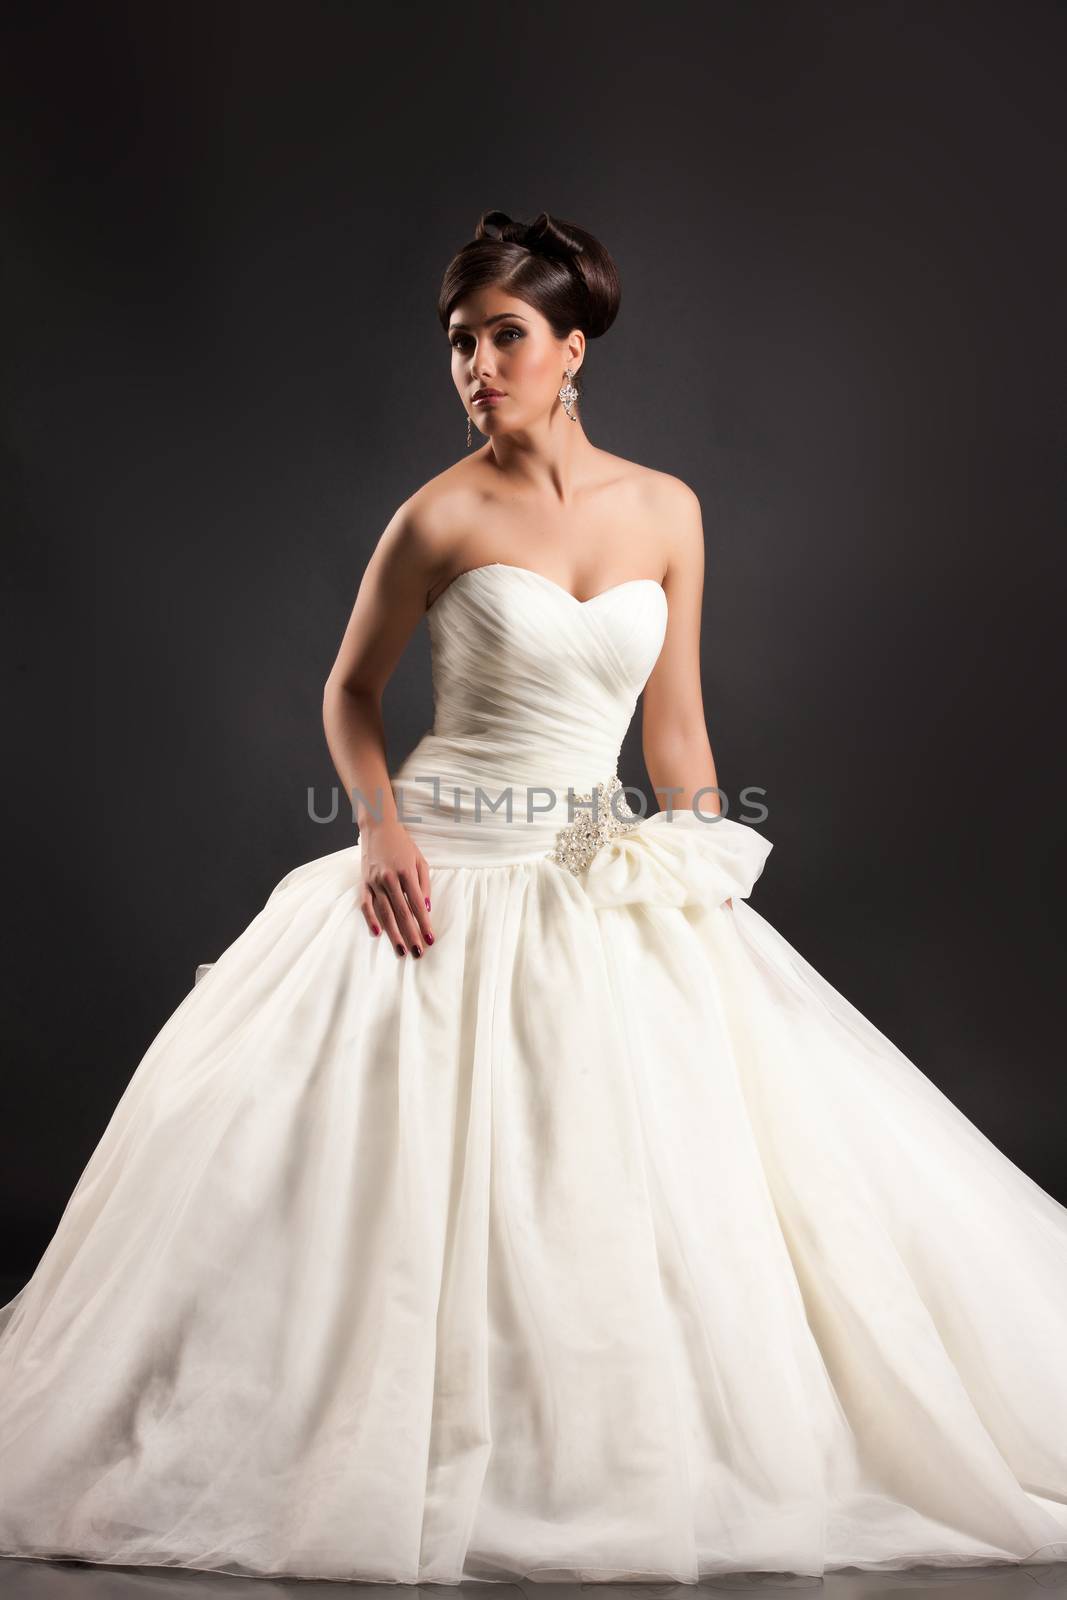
column 605, row 1241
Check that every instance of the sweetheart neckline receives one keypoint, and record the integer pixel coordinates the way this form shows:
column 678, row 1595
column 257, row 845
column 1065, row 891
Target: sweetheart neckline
column 511, row 566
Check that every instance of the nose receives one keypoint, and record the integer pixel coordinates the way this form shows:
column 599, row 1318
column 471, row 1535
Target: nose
column 482, row 362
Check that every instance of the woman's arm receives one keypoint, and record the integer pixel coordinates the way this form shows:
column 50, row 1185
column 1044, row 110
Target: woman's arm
column 389, row 602
column 387, row 607
column 674, row 734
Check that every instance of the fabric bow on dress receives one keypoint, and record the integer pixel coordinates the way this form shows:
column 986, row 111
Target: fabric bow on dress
column 677, row 860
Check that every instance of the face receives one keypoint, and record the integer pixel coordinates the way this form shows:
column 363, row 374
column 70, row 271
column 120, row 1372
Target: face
column 501, row 342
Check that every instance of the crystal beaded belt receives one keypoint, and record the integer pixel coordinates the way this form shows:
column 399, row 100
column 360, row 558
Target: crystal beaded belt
column 578, row 842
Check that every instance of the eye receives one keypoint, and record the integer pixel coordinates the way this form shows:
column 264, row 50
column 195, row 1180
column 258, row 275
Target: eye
column 458, row 342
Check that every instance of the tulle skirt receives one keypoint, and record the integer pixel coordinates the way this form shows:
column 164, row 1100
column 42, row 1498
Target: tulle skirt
column 606, row 1241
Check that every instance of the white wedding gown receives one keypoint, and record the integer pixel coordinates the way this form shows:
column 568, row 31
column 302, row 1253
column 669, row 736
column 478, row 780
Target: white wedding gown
column 606, row 1241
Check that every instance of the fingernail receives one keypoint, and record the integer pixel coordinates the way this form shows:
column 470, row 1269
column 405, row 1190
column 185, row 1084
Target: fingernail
column 416, row 952
column 427, row 905
column 400, row 949
column 429, row 938
column 375, row 930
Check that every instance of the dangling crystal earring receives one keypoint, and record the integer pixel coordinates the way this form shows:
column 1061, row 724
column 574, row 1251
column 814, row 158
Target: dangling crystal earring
column 468, row 430
column 569, row 394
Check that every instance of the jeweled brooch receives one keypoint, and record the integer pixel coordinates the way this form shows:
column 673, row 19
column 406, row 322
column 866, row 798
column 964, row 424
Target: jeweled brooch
column 578, row 841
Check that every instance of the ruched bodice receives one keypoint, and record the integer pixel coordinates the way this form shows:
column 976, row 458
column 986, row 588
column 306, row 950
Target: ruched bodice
column 533, row 690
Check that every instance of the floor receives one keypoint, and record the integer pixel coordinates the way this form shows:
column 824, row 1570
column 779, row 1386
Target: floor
column 47, row 1580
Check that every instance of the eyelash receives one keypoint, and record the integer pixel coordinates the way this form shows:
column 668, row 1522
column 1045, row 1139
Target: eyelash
column 455, row 343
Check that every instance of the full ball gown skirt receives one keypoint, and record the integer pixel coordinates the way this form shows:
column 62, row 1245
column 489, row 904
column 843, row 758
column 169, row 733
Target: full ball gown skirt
column 606, row 1241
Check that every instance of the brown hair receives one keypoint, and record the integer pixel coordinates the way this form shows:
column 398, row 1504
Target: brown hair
column 562, row 271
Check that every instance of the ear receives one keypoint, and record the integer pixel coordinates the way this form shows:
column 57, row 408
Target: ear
column 575, row 349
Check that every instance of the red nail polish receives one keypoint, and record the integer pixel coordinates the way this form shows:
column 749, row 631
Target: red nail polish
column 375, row 929
column 427, row 905
column 429, row 938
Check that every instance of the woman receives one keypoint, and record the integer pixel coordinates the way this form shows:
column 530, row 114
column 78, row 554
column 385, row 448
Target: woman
column 590, row 1235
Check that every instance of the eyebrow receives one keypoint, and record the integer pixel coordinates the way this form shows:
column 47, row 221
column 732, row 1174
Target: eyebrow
column 499, row 317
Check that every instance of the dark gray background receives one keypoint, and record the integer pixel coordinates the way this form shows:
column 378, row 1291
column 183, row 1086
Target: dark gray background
column 840, row 229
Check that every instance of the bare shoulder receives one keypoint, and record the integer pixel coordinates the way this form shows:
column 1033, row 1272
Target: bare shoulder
column 683, row 525
column 670, row 509
column 666, row 493
column 422, row 531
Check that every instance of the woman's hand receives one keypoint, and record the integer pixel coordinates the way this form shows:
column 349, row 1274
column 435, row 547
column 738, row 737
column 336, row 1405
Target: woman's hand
column 396, row 886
